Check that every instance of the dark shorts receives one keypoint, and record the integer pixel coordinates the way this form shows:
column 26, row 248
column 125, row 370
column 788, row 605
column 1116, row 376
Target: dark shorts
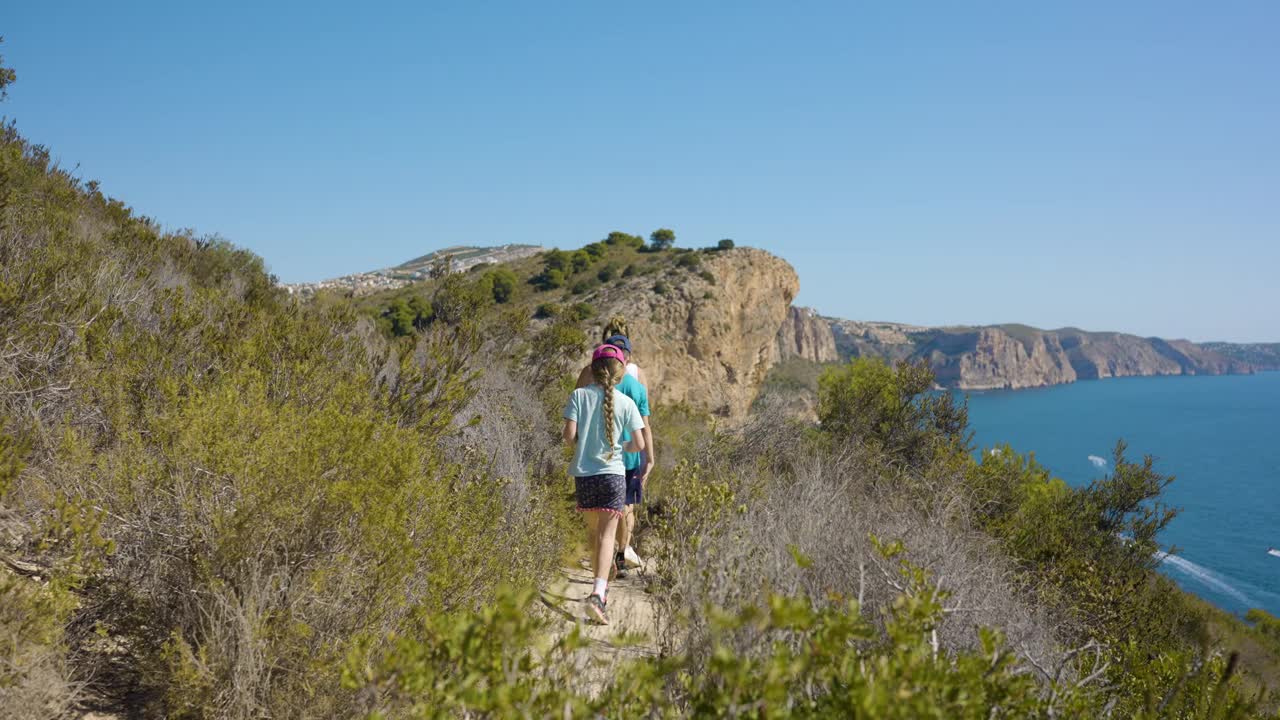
column 635, row 490
column 605, row 493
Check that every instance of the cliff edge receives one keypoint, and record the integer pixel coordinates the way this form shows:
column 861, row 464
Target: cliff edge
column 707, row 339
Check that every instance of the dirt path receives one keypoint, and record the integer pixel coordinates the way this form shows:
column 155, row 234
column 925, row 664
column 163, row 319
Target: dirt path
column 632, row 628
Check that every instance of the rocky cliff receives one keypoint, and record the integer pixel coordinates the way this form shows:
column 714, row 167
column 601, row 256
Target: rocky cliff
column 1018, row 356
column 806, row 335
column 711, row 343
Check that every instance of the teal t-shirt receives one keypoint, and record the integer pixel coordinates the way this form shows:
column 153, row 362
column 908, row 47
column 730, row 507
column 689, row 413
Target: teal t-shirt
column 635, row 390
column 591, row 454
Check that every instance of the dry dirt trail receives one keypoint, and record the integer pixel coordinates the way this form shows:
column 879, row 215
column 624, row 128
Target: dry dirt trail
column 631, row 616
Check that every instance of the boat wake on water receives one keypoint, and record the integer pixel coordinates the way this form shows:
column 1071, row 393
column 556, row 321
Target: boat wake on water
column 1098, row 462
column 1203, row 575
column 1273, row 552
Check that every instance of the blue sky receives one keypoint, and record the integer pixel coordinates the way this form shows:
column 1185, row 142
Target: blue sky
column 1099, row 164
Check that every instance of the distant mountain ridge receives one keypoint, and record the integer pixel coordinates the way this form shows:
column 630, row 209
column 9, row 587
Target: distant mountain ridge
column 457, row 258
column 1263, row 356
column 1014, row 356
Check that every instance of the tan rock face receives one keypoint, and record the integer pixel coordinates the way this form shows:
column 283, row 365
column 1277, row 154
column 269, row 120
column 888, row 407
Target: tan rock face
column 989, row 358
column 707, row 344
column 806, row 335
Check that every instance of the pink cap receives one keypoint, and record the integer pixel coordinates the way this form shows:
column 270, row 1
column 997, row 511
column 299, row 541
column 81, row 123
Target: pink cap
column 608, row 351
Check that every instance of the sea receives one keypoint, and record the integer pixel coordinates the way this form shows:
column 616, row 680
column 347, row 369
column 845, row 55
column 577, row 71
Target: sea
column 1218, row 435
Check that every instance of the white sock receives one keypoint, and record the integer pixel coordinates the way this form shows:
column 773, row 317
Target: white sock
column 601, row 586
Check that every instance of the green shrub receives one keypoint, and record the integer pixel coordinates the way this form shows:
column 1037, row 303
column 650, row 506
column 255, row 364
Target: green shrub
column 629, row 271
column 553, row 347
column 581, row 312
column 821, row 657
column 458, row 298
column 890, row 409
column 689, row 260
column 661, row 287
column 503, row 281
column 583, row 287
column 404, row 316
column 555, row 259
column 725, row 244
column 1265, row 623
column 708, row 276
column 607, row 273
column 547, row 310
column 550, row 279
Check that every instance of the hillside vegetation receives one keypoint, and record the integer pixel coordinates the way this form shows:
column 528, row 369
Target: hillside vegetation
column 1264, row 356
column 217, row 493
column 219, row 502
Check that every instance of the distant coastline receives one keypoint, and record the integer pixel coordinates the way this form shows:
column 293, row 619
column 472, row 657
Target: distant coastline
column 1019, row 356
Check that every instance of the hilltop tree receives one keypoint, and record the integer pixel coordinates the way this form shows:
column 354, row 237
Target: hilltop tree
column 624, row 240
column 662, row 239
column 7, row 76
column 725, row 244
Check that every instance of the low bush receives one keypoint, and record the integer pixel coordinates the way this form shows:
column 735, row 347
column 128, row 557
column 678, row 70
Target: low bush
column 582, row 287
column 689, row 260
column 891, row 410
column 581, row 312
column 553, row 348
column 503, row 282
column 817, row 657
column 457, row 298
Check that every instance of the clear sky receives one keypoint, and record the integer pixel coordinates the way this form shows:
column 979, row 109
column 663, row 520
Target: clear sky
column 1109, row 165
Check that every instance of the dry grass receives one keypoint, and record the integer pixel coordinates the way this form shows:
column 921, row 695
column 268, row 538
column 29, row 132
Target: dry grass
column 785, row 496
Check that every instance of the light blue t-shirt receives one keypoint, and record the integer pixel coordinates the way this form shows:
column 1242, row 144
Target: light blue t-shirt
column 635, row 390
column 591, row 454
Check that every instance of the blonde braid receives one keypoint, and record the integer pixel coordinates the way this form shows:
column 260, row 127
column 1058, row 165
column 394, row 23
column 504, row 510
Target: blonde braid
column 606, row 372
column 617, row 325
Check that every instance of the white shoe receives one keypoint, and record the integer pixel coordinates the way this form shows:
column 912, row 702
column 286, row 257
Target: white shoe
column 633, row 560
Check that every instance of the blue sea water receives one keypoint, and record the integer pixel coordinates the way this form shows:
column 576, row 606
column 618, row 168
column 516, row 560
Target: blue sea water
column 1220, row 437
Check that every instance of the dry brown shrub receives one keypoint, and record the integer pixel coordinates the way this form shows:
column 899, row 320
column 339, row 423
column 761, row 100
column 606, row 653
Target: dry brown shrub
column 790, row 494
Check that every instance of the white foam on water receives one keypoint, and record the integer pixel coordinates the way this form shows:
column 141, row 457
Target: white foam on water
column 1273, row 551
column 1098, row 461
column 1204, row 575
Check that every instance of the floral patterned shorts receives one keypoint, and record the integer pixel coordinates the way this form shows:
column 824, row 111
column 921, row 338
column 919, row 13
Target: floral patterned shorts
column 606, row 493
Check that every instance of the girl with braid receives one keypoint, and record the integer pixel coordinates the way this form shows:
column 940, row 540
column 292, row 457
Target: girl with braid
column 595, row 420
column 617, row 327
column 637, row 465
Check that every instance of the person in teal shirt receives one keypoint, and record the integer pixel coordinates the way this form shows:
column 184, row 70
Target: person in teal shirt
column 595, row 420
column 637, row 465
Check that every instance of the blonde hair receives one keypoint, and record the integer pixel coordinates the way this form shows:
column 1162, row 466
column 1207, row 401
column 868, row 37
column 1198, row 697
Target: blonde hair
column 617, row 325
column 606, row 372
